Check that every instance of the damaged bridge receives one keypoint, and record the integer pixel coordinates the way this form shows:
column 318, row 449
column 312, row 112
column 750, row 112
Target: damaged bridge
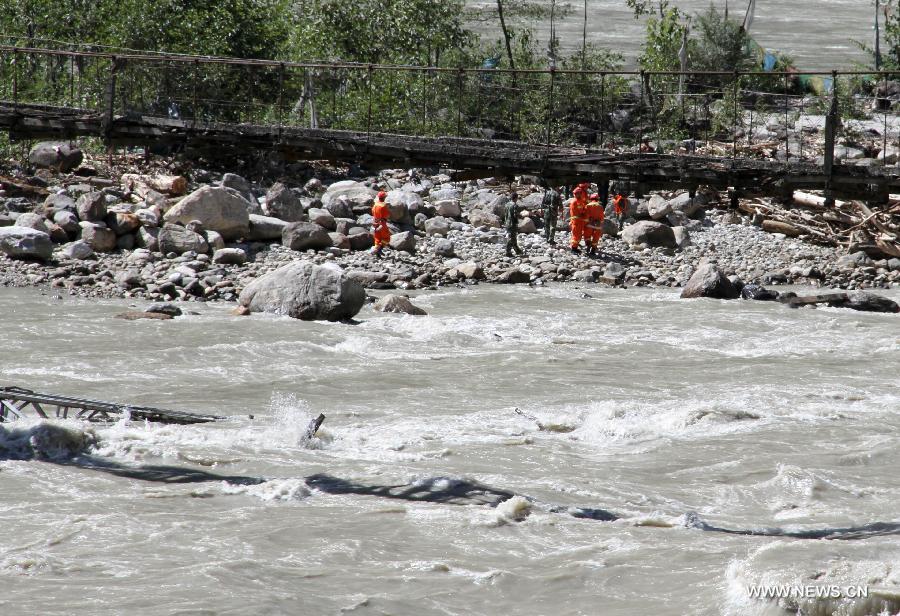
column 472, row 121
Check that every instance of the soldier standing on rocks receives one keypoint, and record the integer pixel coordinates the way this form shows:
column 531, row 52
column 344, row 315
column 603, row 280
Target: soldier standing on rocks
column 512, row 225
column 552, row 203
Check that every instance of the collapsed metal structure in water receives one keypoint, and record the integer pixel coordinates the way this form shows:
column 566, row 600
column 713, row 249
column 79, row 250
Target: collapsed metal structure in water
column 19, row 403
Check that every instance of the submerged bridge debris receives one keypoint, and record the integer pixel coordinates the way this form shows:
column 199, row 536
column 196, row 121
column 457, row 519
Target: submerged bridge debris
column 19, row 403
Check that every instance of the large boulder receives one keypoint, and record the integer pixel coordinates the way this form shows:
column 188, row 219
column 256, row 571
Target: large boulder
column 658, row 208
column 283, row 203
column 217, row 208
column 480, row 218
column 649, row 233
column 405, row 241
column 242, row 186
column 323, row 218
column 58, row 202
column 263, row 228
column 360, row 240
column 398, row 304
column 709, row 281
column 305, row 291
column 25, row 243
column 437, row 226
column 78, row 250
column 68, row 221
column 869, row 302
column 98, row 237
column 32, row 221
column 178, row 239
column 230, row 256
column 55, row 155
column 305, row 236
column 686, row 205
column 357, row 195
column 91, row 206
column 448, row 208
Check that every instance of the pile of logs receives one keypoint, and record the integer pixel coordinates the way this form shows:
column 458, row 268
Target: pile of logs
column 852, row 224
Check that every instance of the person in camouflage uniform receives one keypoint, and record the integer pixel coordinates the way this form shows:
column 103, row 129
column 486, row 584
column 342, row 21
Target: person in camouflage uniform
column 512, row 225
column 552, row 203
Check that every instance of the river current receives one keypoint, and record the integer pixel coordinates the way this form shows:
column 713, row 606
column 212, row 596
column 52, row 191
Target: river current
column 818, row 34
column 748, row 415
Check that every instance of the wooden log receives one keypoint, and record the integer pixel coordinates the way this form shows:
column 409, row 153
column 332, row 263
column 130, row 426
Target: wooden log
column 776, row 226
column 811, row 200
column 314, row 426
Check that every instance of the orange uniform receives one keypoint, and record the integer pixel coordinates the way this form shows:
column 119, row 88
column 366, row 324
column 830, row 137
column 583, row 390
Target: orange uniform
column 381, row 213
column 621, row 204
column 577, row 218
column 594, row 230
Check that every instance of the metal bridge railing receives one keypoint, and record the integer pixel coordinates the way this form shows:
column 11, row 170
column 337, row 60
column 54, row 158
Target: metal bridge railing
column 722, row 114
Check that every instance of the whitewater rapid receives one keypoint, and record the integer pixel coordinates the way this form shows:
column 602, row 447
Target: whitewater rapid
column 748, row 415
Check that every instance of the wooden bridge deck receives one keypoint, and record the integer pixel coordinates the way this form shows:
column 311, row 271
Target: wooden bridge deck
column 470, row 157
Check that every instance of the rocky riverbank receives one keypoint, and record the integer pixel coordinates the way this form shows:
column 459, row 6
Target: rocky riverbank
column 207, row 236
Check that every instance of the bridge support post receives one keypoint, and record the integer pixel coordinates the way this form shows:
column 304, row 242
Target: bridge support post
column 109, row 100
column 831, row 126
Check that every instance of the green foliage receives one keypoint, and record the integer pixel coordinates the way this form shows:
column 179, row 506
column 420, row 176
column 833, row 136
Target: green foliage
column 664, row 39
column 722, row 45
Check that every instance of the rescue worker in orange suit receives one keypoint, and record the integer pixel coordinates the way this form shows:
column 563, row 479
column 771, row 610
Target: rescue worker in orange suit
column 620, row 202
column 381, row 213
column 578, row 215
column 594, row 229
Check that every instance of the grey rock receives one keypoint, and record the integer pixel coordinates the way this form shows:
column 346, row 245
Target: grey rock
column 91, row 207
column 614, row 270
column 282, row 202
column 756, row 292
column 479, row 218
column 405, row 241
column 98, row 237
column 68, row 221
column 513, row 275
column 25, row 243
column 230, row 256
column 305, row 291
column 649, row 233
column 60, row 202
column 305, row 236
column 148, row 238
column 125, row 242
column 471, row 271
column 360, row 240
column 356, row 194
column 169, row 309
column 178, row 239
column 398, row 304
column 214, row 240
column 265, row 228
column 870, row 302
column 339, row 240
column 58, row 155
column 32, row 221
column 444, row 248
column 323, row 218
column 682, row 237
column 437, row 226
column 658, row 208
column 448, row 208
column 852, row 261
column 217, row 208
column 709, row 281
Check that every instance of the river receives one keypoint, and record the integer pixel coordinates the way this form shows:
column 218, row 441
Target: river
column 750, row 415
column 818, row 34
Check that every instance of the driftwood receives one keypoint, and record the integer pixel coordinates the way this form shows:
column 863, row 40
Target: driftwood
column 314, row 426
